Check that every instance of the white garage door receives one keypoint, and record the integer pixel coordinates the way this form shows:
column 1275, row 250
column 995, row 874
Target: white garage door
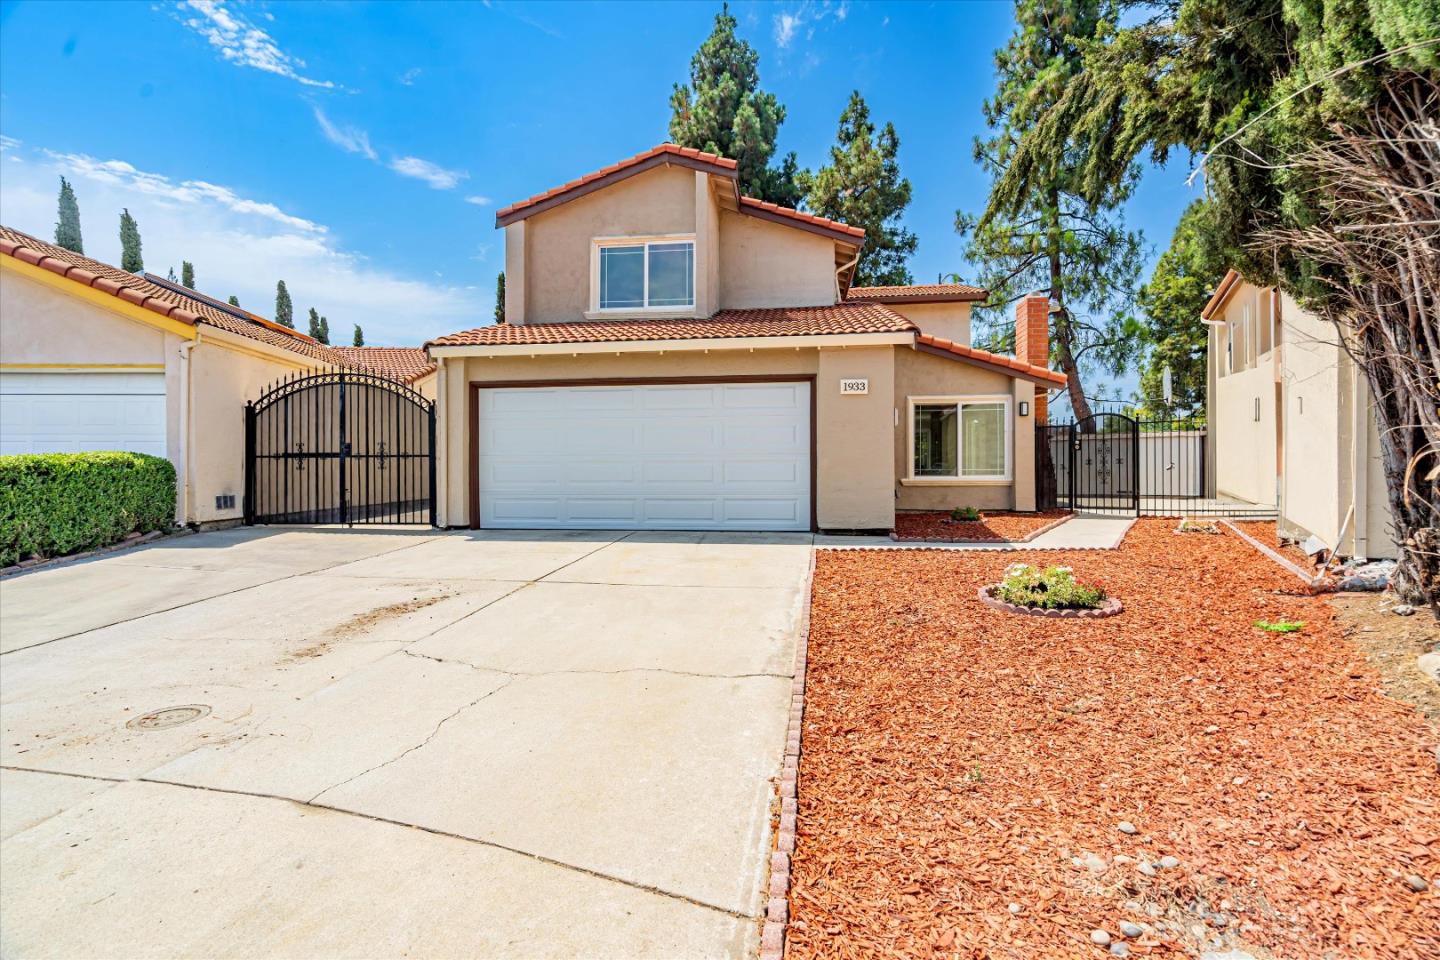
column 70, row 412
column 721, row 456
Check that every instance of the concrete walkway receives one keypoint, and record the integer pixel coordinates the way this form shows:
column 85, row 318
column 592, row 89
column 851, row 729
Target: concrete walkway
column 1080, row 532
column 395, row 743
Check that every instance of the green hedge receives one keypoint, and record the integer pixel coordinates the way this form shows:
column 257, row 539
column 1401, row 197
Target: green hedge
column 53, row 504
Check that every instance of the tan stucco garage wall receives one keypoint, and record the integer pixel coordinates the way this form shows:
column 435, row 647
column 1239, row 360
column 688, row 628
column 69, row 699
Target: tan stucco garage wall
column 919, row 374
column 764, row 264
column 854, row 488
column 39, row 324
column 948, row 320
column 557, row 242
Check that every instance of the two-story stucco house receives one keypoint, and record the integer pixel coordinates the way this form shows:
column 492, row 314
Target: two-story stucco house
column 679, row 356
column 1291, row 422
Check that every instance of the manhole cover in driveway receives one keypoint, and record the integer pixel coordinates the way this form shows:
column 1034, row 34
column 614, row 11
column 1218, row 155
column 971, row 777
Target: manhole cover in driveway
column 169, row 717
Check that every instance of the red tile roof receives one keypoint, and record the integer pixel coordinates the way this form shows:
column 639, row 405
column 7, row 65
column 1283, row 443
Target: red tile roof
column 166, row 300
column 845, row 318
column 919, row 293
column 751, row 203
column 721, row 163
column 1000, row 362
column 402, row 363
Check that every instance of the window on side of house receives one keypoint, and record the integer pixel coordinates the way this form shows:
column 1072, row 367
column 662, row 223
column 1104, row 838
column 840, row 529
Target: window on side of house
column 960, row 438
column 646, row 275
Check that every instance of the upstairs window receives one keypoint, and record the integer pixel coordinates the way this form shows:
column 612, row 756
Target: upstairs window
column 653, row 275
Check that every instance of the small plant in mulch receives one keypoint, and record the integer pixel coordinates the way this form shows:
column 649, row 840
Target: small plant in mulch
column 1280, row 626
column 1050, row 588
column 1191, row 525
column 964, row 513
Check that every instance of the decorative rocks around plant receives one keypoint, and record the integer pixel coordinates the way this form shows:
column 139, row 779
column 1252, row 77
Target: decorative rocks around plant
column 1108, row 608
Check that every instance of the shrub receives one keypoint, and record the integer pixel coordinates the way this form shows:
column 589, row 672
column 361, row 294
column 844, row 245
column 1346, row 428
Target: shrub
column 1053, row 588
column 964, row 513
column 53, row 504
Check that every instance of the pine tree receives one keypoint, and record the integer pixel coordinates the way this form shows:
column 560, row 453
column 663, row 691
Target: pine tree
column 723, row 111
column 130, row 258
column 314, row 330
column 67, row 229
column 862, row 186
column 234, row 300
column 1045, row 234
column 359, row 339
column 500, row 297
column 187, row 274
column 284, row 310
column 324, row 336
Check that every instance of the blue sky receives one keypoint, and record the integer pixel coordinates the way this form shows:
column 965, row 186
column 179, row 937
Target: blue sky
column 359, row 150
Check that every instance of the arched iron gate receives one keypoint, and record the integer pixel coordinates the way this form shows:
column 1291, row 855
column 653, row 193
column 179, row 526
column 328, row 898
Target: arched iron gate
column 340, row 446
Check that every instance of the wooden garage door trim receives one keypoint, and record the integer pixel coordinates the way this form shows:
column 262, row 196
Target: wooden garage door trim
column 474, row 415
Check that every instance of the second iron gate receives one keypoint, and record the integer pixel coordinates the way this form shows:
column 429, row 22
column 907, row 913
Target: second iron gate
column 1091, row 465
column 340, row 446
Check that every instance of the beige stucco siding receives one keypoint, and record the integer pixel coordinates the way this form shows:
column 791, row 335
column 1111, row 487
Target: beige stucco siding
column 557, row 243
column 948, row 320
column 764, row 264
column 919, row 374
column 1245, row 448
column 856, row 484
column 41, row 325
column 1314, row 434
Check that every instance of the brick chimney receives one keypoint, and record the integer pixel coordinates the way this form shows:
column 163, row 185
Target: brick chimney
column 1032, row 341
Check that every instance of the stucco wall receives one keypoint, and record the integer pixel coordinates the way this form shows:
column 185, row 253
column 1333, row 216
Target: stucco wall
column 854, row 487
column 1317, row 431
column 764, row 264
column 557, row 242
column 1245, row 447
column 39, row 324
column 919, row 374
column 948, row 320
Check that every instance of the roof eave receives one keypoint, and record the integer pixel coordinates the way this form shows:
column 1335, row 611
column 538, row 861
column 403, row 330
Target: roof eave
column 1222, row 293
column 1049, row 379
column 975, row 297
column 773, row 342
column 512, row 214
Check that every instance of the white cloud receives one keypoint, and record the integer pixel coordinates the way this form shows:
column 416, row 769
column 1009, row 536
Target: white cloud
column 409, row 76
column 789, row 24
column 349, row 139
column 785, row 26
column 433, row 174
column 479, row 201
column 9, row 143
column 244, row 44
column 239, row 246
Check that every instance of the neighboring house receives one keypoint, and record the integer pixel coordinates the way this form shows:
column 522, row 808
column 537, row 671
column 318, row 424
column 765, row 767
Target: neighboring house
column 95, row 358
column 679, row 356
column 1291, row 423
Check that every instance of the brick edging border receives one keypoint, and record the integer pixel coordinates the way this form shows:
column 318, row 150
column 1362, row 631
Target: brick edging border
column 1309, row 580
column 1025, row 539
column 145, row 539
column 777, row 908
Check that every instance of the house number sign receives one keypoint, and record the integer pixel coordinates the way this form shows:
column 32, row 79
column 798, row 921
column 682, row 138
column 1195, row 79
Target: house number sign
column 854, row 386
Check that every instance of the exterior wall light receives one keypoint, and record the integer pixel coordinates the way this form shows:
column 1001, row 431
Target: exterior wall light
column 1024, row 408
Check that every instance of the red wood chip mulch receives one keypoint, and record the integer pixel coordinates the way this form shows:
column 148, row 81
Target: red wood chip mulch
column 997, row 527
column 1268, row 533
column 958, row 760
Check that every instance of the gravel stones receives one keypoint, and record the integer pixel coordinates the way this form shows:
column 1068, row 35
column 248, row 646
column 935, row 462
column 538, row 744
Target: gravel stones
column 1130, row 930
column 1120, row 949
column 1015, row 908
column 1100, row 937
column 1147, row 869
column 1126, row 827
column 1416, row 882
column 1169, row 863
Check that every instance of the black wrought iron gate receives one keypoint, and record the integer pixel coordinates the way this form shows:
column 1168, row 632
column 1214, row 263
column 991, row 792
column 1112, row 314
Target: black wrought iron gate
column 1090, row 465
column 340, row 446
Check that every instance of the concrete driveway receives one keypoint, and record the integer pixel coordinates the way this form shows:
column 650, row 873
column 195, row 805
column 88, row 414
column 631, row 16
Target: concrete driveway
column 395, row 743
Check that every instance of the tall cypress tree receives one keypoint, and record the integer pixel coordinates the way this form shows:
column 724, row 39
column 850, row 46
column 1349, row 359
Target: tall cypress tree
column 862, row 186
column 359, row 339
column 324, row 336
column 67, row 227
column 284, row 310
column 500, row 297
column 130, row 258
column 187, row 274
column 314, row 330
column 722, row 110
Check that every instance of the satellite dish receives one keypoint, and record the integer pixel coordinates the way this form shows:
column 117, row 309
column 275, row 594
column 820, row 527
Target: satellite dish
column 1169, row 387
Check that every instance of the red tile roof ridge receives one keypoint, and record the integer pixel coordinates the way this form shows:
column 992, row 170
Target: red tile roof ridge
column 802, row 216
column 655, row 151
column 918, row 292
column 994, row 359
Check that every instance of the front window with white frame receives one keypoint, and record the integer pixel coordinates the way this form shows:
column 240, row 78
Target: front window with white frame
column 649, row 274
column 960, row 438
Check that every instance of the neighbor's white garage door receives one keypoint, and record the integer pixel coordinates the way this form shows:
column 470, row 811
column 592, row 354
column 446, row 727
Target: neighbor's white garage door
column 722, row 456
column 70, row 412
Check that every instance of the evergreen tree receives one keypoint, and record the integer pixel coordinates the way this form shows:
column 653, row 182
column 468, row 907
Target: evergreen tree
column 284, row 310
column 359, row 339
column 500, row 297
column 314, row 330
column 324, row 336
column 187, row 274
column 234, row 300
column 1041, row 233
column 130, row 258
column 67, row 228
column 1184, row 278
column 170, row 275
column 862, row 186
column 723, row 111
